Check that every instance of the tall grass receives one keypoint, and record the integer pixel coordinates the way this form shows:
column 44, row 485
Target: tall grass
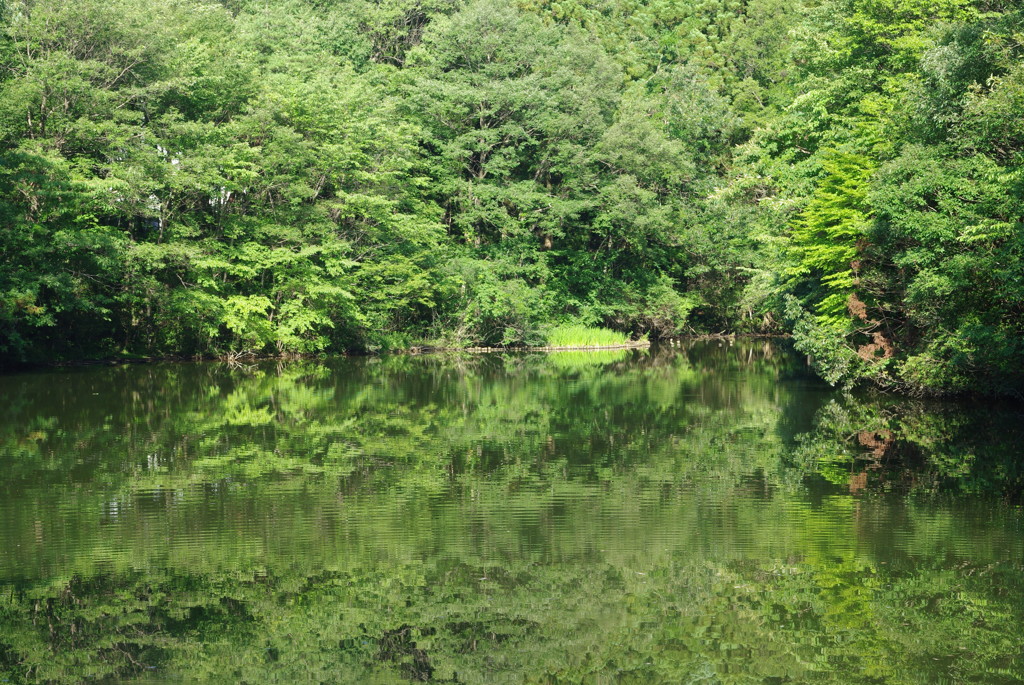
column 584, row 336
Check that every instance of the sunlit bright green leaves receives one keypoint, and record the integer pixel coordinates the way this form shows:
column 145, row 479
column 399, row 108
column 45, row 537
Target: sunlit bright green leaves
column 825, row 236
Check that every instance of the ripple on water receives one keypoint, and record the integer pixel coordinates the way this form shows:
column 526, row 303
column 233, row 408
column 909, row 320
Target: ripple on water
column 703, row 513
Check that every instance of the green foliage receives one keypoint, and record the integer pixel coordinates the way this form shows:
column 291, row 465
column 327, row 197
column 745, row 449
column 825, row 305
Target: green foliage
column 331, row 176
column 900, row 209
column 568, row 335
column 832, row 357
column 494, row 302
column 825, row 236
column 230, row 191
column 318, row 176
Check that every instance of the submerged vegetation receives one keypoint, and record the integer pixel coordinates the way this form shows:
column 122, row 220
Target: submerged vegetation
column 196, row 177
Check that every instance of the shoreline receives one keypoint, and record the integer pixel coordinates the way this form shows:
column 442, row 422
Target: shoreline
column 632, row 345
column 414, row 350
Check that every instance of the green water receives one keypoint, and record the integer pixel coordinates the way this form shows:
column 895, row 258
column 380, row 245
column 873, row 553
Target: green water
column 705, row 514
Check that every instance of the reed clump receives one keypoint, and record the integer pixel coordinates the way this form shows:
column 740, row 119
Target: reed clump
column 576, row 335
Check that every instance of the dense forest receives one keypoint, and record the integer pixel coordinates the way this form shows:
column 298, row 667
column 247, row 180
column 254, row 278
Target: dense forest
column 188, row 177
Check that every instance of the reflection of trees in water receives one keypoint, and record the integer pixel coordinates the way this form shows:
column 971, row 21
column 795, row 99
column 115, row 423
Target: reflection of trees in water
column 885, row 444
column 307, row 417
column 591, row 516
column 837, row 620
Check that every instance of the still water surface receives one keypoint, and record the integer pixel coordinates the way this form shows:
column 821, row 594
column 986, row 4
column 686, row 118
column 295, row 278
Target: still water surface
column 708, row 514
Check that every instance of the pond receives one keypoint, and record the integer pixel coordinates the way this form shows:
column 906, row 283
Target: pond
column 703, row 513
